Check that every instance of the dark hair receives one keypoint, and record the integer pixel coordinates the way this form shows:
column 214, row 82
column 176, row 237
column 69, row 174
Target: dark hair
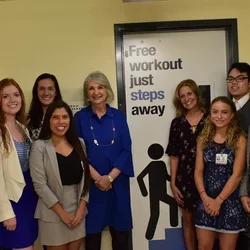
column 20, row 116
column 36, row 111
column 242, row 67
column 71, row 136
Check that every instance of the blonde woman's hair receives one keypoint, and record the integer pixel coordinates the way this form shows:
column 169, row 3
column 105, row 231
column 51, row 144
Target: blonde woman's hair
column 100, row 78
column 234, row 129
column 180, row 110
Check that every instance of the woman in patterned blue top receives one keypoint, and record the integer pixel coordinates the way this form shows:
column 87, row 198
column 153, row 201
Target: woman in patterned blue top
column 107, row 139
column 18, row 228
column 220, row 161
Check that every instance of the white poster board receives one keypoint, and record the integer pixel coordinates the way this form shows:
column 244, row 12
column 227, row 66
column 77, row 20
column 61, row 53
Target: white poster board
column 154, row 63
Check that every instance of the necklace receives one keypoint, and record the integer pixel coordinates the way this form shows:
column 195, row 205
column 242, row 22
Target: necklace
column 94, row 137
column 193, row 128
column 197, row 119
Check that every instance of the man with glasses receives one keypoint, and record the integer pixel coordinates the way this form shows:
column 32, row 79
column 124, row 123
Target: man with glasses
column 238, row 82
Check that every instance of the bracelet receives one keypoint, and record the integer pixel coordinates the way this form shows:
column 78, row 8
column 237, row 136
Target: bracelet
column 201, row 192
column 221, row 198
column 110, row 178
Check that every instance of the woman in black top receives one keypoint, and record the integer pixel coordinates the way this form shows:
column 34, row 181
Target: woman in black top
column 184, row 130
column 60, row 173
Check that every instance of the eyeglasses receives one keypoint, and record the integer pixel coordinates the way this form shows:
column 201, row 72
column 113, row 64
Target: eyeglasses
column 238, row 79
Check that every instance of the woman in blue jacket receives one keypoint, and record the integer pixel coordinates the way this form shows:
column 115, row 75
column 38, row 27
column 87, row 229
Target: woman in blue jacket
column 108, row 143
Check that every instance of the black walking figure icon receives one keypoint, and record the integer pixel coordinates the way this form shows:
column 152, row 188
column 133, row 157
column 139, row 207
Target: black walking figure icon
column 157, row 176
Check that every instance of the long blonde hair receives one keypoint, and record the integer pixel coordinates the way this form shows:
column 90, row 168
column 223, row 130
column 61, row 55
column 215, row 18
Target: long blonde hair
column 180, row 110
column 234, row 129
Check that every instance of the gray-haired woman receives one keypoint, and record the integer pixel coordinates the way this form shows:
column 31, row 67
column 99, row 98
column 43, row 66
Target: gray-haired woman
column 107, row 139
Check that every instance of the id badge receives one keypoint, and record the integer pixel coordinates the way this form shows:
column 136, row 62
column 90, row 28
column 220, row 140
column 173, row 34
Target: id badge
column 221, row 159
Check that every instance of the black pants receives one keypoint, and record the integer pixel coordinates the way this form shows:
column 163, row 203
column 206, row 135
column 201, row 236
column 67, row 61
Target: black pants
column 120, row 240
column 243, row 242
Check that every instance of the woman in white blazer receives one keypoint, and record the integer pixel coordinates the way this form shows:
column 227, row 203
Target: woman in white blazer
column 60, row 173
column 18, row 228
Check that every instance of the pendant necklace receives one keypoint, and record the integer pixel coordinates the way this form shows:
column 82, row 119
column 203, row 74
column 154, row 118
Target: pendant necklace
column 94, row 137
column 193, row 128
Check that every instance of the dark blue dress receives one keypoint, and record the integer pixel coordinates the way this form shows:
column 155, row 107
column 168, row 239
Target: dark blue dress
column 231, row 218
column 107, row 208
column 27, row 228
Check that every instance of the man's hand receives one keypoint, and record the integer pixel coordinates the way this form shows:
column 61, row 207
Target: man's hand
column 245, row 200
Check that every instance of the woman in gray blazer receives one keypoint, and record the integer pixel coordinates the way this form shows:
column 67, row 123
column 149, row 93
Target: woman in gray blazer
column 60, row 173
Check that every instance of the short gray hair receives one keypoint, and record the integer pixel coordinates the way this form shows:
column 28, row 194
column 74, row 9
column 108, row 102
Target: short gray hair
column 100, row 78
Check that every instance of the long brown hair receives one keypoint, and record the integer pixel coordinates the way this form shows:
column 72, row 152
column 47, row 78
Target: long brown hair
column 20, row 116
column 36, row 110
column 71, row 136
column 234, row 129
column 180, row 110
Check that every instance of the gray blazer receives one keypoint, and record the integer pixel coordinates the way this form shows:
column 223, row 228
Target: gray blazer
column 245, row 121
column 244, row 116
column 244, row 185
column 47, row 181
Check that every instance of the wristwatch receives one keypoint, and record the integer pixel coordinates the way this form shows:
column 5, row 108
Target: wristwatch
column 110, row 178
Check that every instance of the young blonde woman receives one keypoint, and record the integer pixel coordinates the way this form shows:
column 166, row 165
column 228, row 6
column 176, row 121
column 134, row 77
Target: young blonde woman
column 185, row 128
column 220, row 161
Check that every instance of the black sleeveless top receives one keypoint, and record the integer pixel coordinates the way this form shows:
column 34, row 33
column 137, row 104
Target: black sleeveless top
column 70, row 168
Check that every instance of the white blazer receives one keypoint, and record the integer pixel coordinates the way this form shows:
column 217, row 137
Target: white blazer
column 12, row 181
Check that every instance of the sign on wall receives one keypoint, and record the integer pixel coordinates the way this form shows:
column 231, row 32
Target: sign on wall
column 149, row 67
column 75, row 106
